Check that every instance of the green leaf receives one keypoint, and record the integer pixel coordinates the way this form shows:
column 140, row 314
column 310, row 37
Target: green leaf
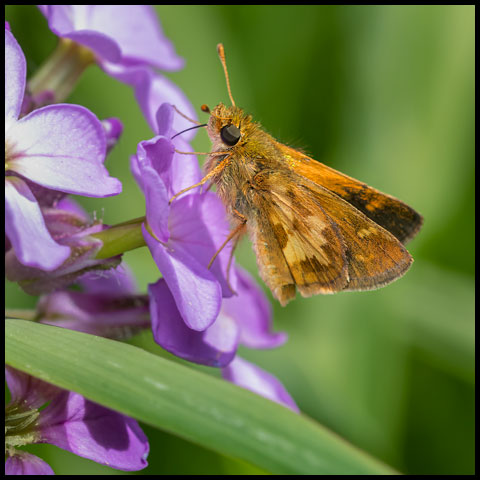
column 188, row 403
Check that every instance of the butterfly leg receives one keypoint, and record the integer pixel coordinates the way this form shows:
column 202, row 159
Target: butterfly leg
column 239, row 236
column 234, row 232
column 209, row 175
column 237, row 231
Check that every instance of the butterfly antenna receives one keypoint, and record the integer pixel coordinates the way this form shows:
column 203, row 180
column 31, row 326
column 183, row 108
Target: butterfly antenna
column 221, row 54
column 187, row 129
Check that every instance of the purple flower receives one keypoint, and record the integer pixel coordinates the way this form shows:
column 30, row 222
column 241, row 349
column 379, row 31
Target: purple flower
column 244, row 319
column 70, row 422
column 23, row 463
column 69, row 227
column 151, row 91
column 122, row 34
column 185, row 235
column 108, row 306
column 113, row 128
column 247, row 375
column 58, row 147
column 128, row 43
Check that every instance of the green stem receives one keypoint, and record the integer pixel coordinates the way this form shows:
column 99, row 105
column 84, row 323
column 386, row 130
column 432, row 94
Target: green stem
column 23, row 314
column 60, row 72
column 121, row 238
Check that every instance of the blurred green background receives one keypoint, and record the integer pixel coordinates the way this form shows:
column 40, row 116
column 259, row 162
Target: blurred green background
column 384, row 94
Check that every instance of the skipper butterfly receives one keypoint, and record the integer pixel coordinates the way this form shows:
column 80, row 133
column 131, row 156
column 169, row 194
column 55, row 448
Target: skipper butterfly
column 313, row 229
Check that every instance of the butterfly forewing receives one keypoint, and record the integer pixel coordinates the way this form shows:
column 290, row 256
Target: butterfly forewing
column 390, row 213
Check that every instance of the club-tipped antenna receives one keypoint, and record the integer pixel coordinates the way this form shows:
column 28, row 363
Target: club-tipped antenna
column 221, row 54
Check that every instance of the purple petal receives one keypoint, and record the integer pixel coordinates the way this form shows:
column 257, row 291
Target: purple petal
column 135, row 170
column 251, row 377
column 69, row 205
column 15, row 74
column 104, row 314
column 23, row 463
column 73, row 22
column 133, row 29
column 44, row 9
column 100, row 44
column 164, row 117
column 253, row 313
column 185, row 169
column 152, row 171
column 26, row 229
column 62, row 147
column 156, row 201
column 175, row 170
column 46, row 197
column 89, row 430
column 113, row 128
column 60, row 17
column 151, row 91
column 215, row 346
column 28, row 391
column 119, row 281
column 158, row 154
column 196, row 292
column 136, row 29
column 198, row 224
column 160, row 90
column 72, row 232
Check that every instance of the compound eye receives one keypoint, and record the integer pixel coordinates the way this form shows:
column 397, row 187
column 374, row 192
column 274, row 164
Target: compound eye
column 230, row 135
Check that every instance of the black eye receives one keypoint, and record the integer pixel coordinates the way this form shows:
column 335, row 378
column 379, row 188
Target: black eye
column 230, row 135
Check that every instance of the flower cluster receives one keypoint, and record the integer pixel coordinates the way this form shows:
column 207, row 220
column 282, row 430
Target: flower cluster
column 53, row 150
column 68, row 421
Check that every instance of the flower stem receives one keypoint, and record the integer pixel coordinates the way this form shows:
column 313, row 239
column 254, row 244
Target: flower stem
column 60, row 72
column 120, row 238
column 22, row 314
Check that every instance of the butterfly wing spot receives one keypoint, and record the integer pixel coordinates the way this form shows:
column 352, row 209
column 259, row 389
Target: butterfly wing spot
column 365, row 232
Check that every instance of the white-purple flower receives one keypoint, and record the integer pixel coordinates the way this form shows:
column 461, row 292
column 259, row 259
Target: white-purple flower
column 121, row 34
column 244, row 319
column 247, row 375
column 183, row 236
column 70, row 227
column 69, row 421
column 58, row 147
column 128, row 43
column 108, row 305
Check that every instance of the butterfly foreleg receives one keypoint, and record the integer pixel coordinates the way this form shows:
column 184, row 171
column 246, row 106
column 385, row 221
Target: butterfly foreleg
column 209, row 175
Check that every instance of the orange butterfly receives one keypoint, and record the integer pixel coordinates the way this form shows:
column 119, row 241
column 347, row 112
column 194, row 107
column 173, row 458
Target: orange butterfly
column 313, row 229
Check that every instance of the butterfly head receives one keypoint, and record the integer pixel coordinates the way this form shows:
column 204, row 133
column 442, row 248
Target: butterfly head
column 228, row 126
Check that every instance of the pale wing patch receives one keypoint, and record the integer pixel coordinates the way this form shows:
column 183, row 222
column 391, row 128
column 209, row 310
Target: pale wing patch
column 297, row 245
column 375, row 256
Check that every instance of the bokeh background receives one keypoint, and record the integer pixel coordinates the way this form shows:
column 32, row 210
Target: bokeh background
column 384, row 94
